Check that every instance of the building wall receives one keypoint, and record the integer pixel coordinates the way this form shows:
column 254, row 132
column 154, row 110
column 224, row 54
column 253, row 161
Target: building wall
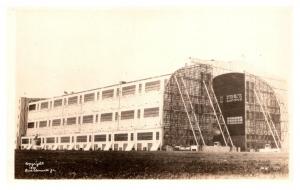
column 177, row 129
column 258, row 132
column 105, row 114
column 230, row 92
column 243, row 112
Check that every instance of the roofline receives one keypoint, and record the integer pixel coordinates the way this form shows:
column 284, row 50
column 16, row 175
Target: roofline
column 109, row 86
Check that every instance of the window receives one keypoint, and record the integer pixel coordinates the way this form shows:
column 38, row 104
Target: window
column 71, row 120
column 234, row 98
column 25, row 141
column 50, row 140
column 116, row 116
column 89, row 97
column 44, row 105
column 30, row 125
column 127, row 115
column 87, row 119
column 221, row 100
column 152, row 86
column 100, row 138
column 145, row 136
column 128, row 90
column 121, row 137
column 97, row 118
column 64, row 139
column 234, row 120
column 139, row 113
column 107, row 94
column 151, row 112
column 56, row 122
column 81, row 139
column 98, row 95
column 140, row 88
column 72, row 100
column 109, row 137
column 106, row 117
column 57, row 103
column 32, row 107
column 118, row 91
column 157, row 135
column 131, row 136
column 43, row 124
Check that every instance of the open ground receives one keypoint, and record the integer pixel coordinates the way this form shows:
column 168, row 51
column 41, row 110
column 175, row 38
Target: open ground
column 37, row 164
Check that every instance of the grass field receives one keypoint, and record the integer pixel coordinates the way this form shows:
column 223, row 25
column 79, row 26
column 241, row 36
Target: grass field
column 148, row 165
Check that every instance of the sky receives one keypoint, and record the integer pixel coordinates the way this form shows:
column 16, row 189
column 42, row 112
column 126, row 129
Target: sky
column 59, row 50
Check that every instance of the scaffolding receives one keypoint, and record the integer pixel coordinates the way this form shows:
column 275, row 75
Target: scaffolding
column 191, row 114
column 262, row 114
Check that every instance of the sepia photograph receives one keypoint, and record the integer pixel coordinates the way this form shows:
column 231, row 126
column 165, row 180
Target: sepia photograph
column 157, row 92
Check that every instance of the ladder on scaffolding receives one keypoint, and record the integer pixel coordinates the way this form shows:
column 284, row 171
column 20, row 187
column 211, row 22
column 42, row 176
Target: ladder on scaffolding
column 189, row 109
column 218, row 115
column 268, row 119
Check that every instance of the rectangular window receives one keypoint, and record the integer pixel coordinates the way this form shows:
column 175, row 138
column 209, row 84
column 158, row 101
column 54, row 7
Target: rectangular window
column 109, row 137
column 25, row 141
column 116, row 116
column 72, row 100
column 140, row 88
column 81, row 139
column 89, row 97
column 87, row 119
column 152, row 86
column 97, row 118
column 151, row 112
column 30, row 125
column 221, row 100
column 64, row 139
column 32, row 107
column 121, row 137
column 43, row 124
column 157, row 135
column 108, row 94
column 234, row 98
column 127, row 115
column 56, row 122
column 50, row 140
column 118, row 91
column 57, row 103
column 145, row 136
column 139, row 113
column 71, row 121
column 98, row 95
column 100, row 138
column 234, row 120
column 106, row 117
column 44, row 105
column 128, row 90
column 131, row 136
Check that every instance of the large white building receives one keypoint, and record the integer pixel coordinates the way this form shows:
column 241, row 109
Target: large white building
column 125, row 116
column 174, row 110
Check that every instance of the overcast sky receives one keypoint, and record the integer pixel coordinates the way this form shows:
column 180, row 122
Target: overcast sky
column 75, row 50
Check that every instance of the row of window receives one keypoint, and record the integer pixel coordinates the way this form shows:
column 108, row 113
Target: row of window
column 86, row 119
column 128, row 90
column 235, row 120
column 97, row 138
column 231, row 98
